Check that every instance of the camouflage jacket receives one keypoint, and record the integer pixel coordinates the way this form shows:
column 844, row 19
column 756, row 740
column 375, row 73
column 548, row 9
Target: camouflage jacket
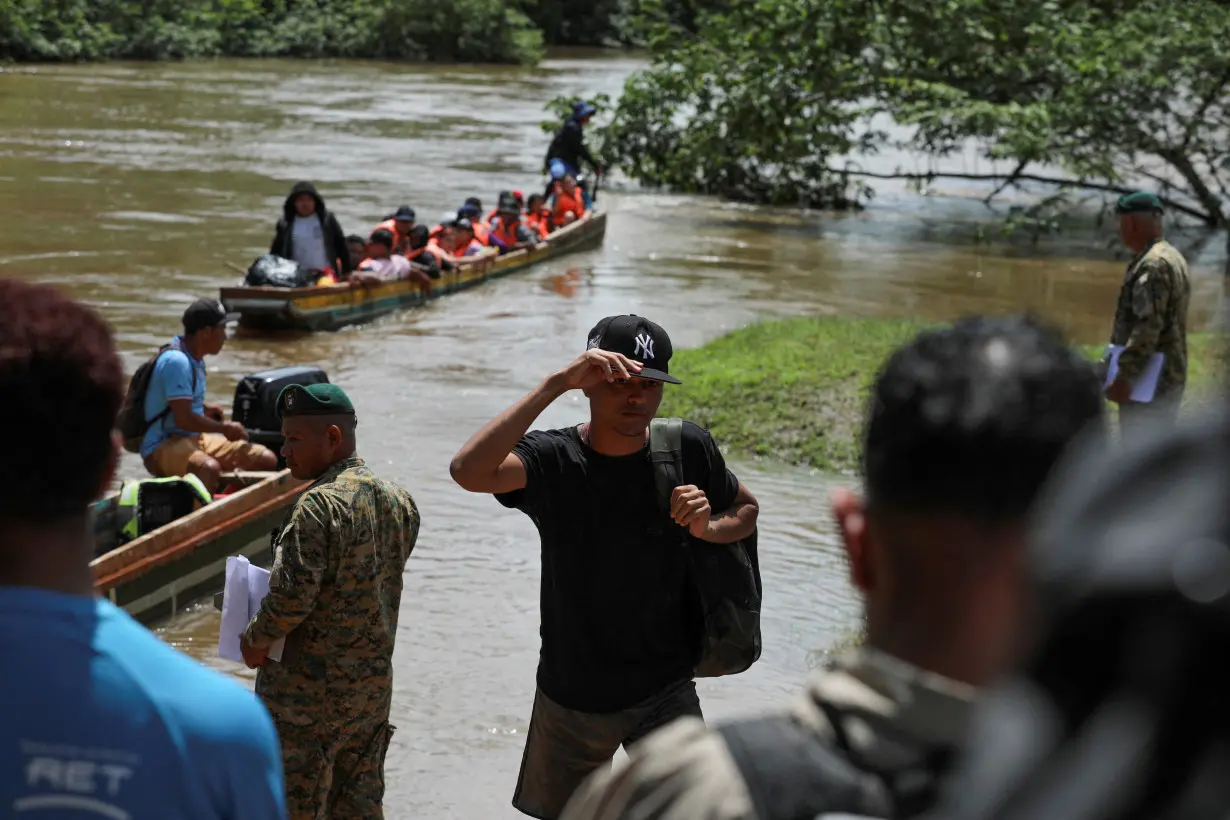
column 335, row 591
column 892, row 711
column 1151, row 316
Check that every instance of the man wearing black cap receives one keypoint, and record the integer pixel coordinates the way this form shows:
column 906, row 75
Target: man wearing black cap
column 618, row 629
column 186, row 434
column 1150, row 316
column 334, row 595
column 399, row 225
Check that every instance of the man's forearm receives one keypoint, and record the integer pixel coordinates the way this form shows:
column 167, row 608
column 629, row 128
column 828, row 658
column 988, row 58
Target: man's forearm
column 732, row 525
column 486, row 450
column 193, row 423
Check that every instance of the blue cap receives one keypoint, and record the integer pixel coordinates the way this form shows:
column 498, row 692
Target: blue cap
column 468, row 211
column 582, row 109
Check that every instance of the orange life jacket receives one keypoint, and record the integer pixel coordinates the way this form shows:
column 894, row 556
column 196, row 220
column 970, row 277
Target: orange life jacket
column 437, row 250
column 562, row 203
column 506, row 233
column 473, row 249
column 540, row 222
column 482, row 233
column 401, row 243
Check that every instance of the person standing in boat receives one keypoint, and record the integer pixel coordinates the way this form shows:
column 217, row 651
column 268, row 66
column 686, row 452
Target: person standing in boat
column 619, row 624
column 101, row 718
column 567, row 150
column 187, row 434
column 309, row 234
column 334, row 594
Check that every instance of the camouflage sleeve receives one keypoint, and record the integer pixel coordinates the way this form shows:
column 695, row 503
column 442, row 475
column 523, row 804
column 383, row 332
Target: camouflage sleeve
column 297, row 569
column 680, row 772
column 1150, row 301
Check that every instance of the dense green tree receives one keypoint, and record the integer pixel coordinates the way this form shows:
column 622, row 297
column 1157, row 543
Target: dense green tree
column 771, row 100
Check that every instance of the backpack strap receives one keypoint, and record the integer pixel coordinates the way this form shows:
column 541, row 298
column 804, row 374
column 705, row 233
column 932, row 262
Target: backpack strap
column 166, row 411
column 666, row 456
column 791, row 773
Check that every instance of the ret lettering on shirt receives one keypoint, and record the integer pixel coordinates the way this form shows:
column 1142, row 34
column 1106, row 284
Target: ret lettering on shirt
column 172, row 379
column 619, row 616
column 308, row 243
column 104, row 719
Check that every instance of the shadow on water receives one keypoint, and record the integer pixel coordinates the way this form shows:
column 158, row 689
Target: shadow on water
column 133, row 186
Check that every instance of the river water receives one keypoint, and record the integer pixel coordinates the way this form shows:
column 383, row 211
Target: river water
column 132, row 186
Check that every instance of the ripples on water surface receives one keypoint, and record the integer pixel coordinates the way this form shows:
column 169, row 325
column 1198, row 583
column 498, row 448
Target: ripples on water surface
column 131, row 186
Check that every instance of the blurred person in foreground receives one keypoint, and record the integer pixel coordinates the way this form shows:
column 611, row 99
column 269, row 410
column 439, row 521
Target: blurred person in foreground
column 1119, row 709
column 100, row 717
column 965, row 424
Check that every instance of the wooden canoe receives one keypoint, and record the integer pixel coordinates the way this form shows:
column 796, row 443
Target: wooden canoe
column 329, row 307
column 156, row 575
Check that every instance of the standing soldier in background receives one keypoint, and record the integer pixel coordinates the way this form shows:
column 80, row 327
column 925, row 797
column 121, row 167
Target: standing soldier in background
column 334, row 594
column 1151, row 315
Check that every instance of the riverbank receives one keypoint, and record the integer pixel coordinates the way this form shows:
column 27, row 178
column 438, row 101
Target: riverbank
column 795, row 390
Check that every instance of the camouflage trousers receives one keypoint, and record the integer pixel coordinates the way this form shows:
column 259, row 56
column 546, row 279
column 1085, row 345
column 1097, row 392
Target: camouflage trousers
column 334, row 771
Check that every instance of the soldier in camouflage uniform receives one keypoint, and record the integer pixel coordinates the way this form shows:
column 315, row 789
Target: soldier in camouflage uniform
column 334, row 595
column 1151, row 315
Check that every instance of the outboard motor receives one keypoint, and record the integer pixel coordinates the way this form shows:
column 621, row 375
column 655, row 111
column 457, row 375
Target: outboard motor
column 256, row 401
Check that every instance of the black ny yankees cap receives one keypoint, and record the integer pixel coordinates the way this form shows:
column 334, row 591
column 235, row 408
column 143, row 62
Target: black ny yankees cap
column 640, row 340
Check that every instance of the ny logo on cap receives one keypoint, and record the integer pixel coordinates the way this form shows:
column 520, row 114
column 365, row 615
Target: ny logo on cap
column 644, row 346
column 594, row 342
column 290, row 399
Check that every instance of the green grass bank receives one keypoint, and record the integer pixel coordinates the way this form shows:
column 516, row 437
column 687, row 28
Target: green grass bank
column 795, row 390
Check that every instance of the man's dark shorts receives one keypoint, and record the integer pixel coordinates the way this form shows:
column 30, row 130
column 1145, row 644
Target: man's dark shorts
column 564, row 746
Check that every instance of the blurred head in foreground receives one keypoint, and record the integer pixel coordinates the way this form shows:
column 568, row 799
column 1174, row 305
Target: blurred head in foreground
column 64, row 383
column 965, row 425
column 1120, row 708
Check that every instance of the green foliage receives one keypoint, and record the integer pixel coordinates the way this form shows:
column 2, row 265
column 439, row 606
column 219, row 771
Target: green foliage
column 796, row 389
column 584, row 22
column 67, row 30
column 770, row 100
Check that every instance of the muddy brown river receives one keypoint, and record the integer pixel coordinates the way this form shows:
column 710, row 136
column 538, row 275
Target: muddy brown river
column 132, row 186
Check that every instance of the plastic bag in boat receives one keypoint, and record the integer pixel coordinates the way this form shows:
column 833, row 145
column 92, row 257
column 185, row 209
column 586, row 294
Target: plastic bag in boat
column 278, row 272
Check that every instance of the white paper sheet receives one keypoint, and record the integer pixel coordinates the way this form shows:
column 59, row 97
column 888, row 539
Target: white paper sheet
column 246, row 586
column 1145, row 386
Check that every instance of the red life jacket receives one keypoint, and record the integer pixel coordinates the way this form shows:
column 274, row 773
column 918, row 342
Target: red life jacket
column 562, row 203
column 506, row 233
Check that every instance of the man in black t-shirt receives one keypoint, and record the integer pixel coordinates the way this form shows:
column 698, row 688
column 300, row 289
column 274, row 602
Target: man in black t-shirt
column 620, row 628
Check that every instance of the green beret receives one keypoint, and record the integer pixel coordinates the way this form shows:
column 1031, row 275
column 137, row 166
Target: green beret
column 1138, row 203
column 317, row 400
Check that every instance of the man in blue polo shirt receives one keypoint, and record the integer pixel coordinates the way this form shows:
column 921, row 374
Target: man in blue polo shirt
column 188, row 434
column 98, row 717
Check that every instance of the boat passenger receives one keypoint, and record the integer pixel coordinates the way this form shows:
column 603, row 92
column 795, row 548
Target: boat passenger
column 515, row 196
column 309, row 234
column 356, row 246
column 186, row 433
column 473, row 212
column 459, row 239
column 508, row 232
column 567, row 150
column 382, row 265
column 423, row 254
column 567, row 205
column 101, row 717
column 399, row 224
column 538, row 215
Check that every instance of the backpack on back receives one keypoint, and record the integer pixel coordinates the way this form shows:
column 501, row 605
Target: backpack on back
column 131, row 420
column 727, row 576
column 792, row 773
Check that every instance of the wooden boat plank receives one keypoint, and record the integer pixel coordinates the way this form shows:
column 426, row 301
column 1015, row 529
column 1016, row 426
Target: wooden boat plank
column 181, row 537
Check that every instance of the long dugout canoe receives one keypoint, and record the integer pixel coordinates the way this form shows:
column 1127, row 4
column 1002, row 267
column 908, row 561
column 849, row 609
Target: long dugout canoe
column 154, row 576
column 330, row 307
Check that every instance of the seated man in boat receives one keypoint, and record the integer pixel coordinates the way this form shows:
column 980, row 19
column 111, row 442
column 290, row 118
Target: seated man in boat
column 186, row 434
column 382, row 265
column 458, row 239
column 516, row 196
column 310, row 235
column 538, row 215
column 567, row 206
column 508, row 232
column 356, row 246
column 400, row 225
column 101, row 718
column 473, row 211
column 423, row 253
